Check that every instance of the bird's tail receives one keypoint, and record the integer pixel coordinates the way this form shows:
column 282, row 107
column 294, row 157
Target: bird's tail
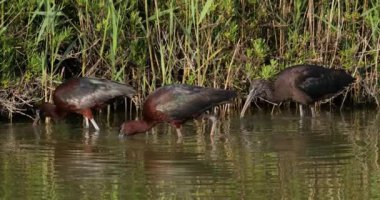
column 122, row 89
column 220, row 95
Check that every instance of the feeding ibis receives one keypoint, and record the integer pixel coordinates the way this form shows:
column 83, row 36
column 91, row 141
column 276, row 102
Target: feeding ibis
column 304, row 84
column 79, row 95
column 175, row 104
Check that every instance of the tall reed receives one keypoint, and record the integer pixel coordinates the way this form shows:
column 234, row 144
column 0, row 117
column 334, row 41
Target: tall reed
column 203, row 42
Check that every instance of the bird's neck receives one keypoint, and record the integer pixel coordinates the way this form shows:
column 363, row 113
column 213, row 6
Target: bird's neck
column 270, row 93
column 273, row 97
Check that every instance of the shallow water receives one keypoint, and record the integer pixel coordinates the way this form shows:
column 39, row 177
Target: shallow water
column 333, row 156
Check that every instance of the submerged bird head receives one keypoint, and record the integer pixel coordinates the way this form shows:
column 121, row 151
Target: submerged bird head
column 259, row 89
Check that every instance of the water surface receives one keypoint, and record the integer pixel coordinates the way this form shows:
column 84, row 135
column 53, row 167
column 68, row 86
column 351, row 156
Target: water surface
column 333, row 156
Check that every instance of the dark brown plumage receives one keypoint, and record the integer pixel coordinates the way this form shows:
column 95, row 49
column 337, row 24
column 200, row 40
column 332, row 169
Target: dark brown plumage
column 304, row 84
column 175, row 104
column 79, row 95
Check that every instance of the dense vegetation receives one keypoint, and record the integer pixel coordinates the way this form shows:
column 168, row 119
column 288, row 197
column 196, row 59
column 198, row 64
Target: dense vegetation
column 203, row 42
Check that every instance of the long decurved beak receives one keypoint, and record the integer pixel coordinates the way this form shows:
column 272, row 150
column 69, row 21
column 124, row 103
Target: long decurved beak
column 37, row 118
column 250, row 96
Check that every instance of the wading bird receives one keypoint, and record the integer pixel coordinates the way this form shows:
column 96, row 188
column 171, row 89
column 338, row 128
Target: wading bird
column 79, row 95
column 304, row 84
column 175, row 104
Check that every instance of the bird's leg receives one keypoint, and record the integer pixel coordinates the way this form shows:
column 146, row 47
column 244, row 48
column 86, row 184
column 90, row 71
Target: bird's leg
column 94, row 124
column 214, row 120
column 344, row 98
column 213, row 127
column 179, row 134
column 212, row 141
column 87, row 114
column 86, row 124
column 301, row 110
column 273, row 107
column 312, row 111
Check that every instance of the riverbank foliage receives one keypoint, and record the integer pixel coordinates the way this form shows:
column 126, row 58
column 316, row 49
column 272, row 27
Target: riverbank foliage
column 203, row 42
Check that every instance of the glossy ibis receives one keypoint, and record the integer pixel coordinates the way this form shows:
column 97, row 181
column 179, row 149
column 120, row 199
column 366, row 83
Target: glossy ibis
column 79, row 95
column 304, row 84
column 175, row 104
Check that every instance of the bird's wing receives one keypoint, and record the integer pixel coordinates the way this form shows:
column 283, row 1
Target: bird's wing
column 322, row 83
column 189, row 101
column 92, row 91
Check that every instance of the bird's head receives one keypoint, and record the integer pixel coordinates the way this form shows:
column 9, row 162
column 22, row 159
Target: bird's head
column 133, row 127
column 259, row 89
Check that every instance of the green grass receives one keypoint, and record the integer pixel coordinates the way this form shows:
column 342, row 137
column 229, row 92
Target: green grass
column 203, row 42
